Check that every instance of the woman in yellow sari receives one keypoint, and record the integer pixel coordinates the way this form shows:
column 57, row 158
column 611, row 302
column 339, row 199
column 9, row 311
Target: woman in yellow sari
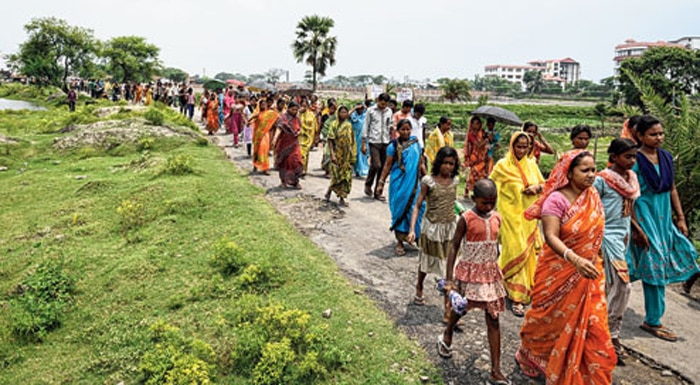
column 565, row 335
column 519, row 181
column 309, row 126
column 213, row 115
column 263, row 119
column 439, row 138
column 149, row 95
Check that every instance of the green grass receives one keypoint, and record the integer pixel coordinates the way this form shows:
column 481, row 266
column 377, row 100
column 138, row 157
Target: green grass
column 158, row 267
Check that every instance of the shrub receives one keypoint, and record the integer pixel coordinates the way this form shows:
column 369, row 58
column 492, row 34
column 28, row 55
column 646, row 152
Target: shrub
column 154, row 117
column 178, row 165
column 41, row 300
column 131, row 215
column 145, row 144
column 258, row 279
column 282, row 345
column 228, row 258
column 174, row 359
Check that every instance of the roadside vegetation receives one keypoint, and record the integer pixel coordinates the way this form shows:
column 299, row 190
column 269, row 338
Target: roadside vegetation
column 152, row 260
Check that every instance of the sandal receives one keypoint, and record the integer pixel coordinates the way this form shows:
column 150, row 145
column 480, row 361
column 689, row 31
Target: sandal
column 400, row 251
column 343, row 203
column 518, row 309
column 528, row 371
column 418, row 301
column 659, row 332
column 368, row 191
column 380, row 198
column 493, row 381
column 443, row 350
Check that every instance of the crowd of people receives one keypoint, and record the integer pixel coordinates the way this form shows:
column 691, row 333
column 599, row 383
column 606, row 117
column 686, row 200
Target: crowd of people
column 560, row 252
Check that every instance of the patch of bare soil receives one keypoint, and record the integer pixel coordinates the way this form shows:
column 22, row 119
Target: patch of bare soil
column 103, row 134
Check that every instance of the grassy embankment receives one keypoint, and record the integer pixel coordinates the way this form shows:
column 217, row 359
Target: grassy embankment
column 107, row 272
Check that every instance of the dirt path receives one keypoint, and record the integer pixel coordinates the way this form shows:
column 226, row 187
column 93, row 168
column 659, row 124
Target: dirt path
column 359, row 240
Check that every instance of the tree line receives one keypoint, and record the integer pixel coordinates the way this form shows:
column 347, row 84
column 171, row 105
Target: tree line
column 55, row 50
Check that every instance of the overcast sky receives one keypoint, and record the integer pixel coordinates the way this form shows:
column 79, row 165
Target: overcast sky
column 418, row 39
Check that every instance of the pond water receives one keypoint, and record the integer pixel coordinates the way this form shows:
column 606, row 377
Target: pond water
column 6, row 104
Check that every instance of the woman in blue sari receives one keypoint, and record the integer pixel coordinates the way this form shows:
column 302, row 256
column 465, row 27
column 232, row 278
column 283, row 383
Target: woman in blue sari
column 661, row 252
column 357, row 118
column 405, row 164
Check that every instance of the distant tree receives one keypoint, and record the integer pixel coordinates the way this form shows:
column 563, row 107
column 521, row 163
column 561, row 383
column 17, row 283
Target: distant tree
column 254, row 77
column 175, row 74
column 456, row 90
column 379, row 79
column 273, row 75
column 131, row 58
column 361, row 80
column 53, row 51
column 314, row 46
column 670, row 70
column 533, row 82
column 224, row 76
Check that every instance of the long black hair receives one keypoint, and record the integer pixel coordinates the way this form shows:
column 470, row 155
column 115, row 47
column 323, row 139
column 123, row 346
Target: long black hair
column 445, row 152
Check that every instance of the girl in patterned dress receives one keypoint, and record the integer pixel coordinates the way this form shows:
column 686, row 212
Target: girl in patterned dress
column 477, row 276
column 439, row 191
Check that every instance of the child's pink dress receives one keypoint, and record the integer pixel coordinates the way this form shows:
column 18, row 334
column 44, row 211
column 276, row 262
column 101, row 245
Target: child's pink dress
column 479, row 278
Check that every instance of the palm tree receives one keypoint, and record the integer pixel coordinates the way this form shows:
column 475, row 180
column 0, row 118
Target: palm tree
column 313, row 45
column 533, row 81
column 455, row 89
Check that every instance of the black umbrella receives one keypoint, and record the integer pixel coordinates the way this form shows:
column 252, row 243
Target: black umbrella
column 500, row 114
column 214, row 84
column 299, row 90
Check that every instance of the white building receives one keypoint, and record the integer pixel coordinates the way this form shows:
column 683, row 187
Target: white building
column 563, row 71
column 689, row 42
column 632, row 48
column 511, row 73
column 560, row 71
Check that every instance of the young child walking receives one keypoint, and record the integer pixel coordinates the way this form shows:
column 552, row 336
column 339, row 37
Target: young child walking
column 439, row 191
column 476, row 275
column 618, row 189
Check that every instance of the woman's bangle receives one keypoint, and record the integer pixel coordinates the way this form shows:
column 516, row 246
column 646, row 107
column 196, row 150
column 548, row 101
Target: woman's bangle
column 381, row 182
column 565, row 253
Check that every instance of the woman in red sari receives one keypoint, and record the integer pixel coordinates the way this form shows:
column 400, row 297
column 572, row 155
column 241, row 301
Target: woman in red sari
column 288, row 158
column 264, row 119
column 475, row 153
column 213, row 115
column 565, row 336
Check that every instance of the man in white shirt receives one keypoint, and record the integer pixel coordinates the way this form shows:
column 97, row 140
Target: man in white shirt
column 375, row 139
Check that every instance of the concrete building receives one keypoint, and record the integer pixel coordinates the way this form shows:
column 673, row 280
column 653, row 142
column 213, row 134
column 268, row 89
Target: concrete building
column 511, row 73
column 632, row 48
column 560, row 71
column 563, row 71
column 690, row 42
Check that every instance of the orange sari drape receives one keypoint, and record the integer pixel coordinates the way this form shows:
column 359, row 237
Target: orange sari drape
column 213, row 115
column 475, row 157
column 261, row 139
column 565, row 334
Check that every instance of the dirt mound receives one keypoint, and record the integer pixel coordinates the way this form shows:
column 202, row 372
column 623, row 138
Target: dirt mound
column 105, row 134
column 109, row 111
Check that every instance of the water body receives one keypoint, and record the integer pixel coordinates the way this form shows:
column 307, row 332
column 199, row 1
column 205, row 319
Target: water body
column 7, row 104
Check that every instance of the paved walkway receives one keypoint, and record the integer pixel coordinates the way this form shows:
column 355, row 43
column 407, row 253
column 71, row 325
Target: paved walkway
column 359, row 240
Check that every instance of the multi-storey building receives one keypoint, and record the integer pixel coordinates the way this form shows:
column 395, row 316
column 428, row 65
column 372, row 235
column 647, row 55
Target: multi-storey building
column 632, row 48
column 560, row 71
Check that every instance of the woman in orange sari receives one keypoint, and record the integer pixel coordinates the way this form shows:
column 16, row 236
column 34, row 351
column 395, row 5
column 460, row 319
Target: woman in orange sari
column 264, row 119
column 475, row 153
column 565, row 335
column 213, row 115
